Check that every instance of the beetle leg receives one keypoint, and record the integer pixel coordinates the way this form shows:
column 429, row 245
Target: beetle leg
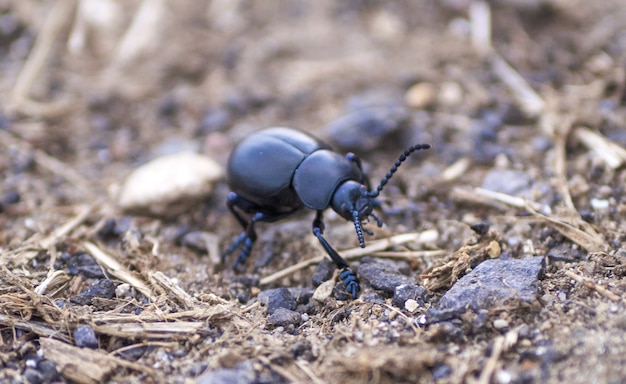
column 347, row 275
column 248, row 236
column 233, row 200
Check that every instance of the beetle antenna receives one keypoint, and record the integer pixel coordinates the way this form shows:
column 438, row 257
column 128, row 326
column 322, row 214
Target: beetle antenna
column 394, row 168
column 357, row 227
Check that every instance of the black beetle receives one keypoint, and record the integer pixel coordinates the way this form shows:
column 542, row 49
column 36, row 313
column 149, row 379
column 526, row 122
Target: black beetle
column 275, row 172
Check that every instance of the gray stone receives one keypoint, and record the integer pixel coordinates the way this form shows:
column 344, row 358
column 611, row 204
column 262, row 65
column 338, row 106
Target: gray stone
column 283, row 317
column 507, row 181
column 85, row 337
column 277, row 298
column 383, row 276
column 493, row 282
column 406, row 292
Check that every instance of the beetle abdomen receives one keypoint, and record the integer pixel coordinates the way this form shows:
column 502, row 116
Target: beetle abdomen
column 319, row 175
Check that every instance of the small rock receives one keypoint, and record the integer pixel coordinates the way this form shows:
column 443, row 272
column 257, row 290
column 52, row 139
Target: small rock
column 507, row 181
column 282, row 317
column 450, row 94
column 323, row 272
column 102, row 288
column 382, row 277
column 199, row 241
column 411, row 305
column 324, row 291
column 301, row 295
column 170, row 184
column 48, row 370
column 480, row 228
column 277, row 298
column 241, row 374
column 215, row 120
column 122, row 291
column 85, row 337
column 421, row 95
column 492, row 282
column 599, row 204
column 406, row 292
column 364, row 127
column 85, row 265
column 500, row 324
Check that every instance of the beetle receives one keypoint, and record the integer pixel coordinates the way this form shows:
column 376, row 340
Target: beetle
column 275, row 172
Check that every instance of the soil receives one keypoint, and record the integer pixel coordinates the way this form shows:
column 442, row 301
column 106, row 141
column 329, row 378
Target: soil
column 529, row 102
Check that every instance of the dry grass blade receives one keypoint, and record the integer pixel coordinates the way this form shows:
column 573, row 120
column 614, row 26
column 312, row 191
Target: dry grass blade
column 83, row 365
column 494, row 199
column 159, row 278
column 37, row 327
column 588, row 239
column 530, row 102
column 355, row 253
column 159, row 330
column 500, row 345
column 592, row 285
column 612, row 154
column 118, row 270
column 36, row 61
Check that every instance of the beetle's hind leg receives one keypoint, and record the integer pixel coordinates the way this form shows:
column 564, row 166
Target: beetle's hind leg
column 347, row 275
column 248, row 236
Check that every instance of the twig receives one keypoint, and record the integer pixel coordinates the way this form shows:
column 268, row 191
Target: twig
column 495, row 199
column 44, row 44
column 500, row 344
column 530, row 102
column 561, row 132
column 592, row 285
column 37, row 327
column 480, row 23
column 117, row 270
column 304, row 367
column 589, row 239
column 355, row 253
column 409, row 255
column 612, row 154
column 456, row 170
column 186, row 299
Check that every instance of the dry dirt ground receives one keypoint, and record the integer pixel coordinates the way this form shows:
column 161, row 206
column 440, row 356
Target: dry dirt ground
column 532, row 92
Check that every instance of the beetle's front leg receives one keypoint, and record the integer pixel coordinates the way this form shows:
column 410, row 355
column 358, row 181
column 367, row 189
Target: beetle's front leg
column 347, row 275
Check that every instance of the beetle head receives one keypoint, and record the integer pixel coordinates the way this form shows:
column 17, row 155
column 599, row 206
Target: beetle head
column 354, row 203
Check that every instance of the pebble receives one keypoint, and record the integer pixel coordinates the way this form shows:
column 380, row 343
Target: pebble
column 492, row 282
column 241, row 374
column 599, row 204
column 104, row 288
column 421, row 95
column 85, row 265
column 405, row 292
column 411, row 305
column 283, row 317
column 507, row 181
column 273, row 299
column 382, row 276
column 363, row 128
column 323, row 272
column 169, row 184
column 85, row 337
column 500, row 324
